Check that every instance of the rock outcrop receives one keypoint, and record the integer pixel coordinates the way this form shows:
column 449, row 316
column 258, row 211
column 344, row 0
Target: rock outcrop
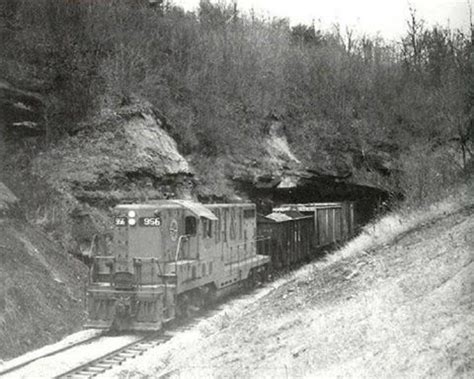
column 123, row 155
column 126, row 154
column 21, row 111
column 7, row 199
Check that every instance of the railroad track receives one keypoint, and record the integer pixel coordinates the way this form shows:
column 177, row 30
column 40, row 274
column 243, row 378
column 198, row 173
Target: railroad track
column 115, row 358
column 132, row 350
column 48, row 354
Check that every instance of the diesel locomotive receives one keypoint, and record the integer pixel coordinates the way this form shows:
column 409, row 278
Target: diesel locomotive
column 172, row 256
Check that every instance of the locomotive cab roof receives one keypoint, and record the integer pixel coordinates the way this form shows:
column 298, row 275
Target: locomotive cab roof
column 198, row 209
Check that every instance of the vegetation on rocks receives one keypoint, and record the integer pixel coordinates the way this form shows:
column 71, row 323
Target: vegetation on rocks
column 41, row 290
column 221, row 76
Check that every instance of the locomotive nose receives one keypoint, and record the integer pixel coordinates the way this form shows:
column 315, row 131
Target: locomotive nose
column 123, row 280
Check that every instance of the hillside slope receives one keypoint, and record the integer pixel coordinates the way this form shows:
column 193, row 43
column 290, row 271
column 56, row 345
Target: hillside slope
column 41, row 290
column 395, row 302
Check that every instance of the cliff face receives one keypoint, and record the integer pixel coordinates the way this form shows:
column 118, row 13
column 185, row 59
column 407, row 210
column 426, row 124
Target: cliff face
column 118, row 156
column 126, row 154
column 122, row 155
column 7, row 199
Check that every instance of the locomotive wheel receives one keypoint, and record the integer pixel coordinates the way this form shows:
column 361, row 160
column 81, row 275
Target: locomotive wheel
column 195, row 300
column 182, row 306
column 209, row 296
column 188, row 303
column 252, row 280
column 262, row 276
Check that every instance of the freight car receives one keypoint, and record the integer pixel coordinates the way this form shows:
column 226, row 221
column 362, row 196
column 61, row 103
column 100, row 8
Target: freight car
column 333, row 222
column 298, row 232
column 170, row 256
column 290, row 239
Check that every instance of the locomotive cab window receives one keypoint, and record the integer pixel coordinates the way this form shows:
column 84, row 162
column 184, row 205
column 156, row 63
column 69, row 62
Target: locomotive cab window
column 206, row 228
column 190, row 225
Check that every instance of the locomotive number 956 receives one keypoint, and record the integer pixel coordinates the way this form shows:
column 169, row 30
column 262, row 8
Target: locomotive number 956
column 150, row 221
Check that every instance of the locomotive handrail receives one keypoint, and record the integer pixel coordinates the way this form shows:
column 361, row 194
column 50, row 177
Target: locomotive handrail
column 230, row 253
column 147, row 260
column 178, row 248
column 176, row 257
column 104, row 257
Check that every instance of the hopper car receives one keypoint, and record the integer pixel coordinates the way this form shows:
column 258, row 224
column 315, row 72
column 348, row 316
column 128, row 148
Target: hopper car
column 297, row 233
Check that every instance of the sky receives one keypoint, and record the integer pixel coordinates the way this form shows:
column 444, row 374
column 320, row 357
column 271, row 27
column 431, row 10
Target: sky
column 372, row 17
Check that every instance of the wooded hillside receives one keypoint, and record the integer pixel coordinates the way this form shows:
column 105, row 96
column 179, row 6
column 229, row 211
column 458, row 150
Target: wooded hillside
column 401, row 113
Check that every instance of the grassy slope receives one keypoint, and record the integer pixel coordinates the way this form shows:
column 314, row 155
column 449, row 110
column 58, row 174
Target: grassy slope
column 395, row 302
column 41, row 290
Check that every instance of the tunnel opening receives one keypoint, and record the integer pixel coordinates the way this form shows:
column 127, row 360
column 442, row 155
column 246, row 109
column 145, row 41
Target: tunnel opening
column 369, row 201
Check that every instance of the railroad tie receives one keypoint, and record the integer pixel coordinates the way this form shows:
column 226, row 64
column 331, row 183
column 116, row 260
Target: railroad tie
column 138, row 350
column 104, row 365
column 147, row 345
column 94, row 369
column 112, row 360
column 125, row 354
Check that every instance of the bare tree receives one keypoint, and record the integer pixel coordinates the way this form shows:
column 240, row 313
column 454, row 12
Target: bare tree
column 412, row 44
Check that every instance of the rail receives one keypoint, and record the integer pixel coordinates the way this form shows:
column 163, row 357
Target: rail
column 8, row 368
column 115, row 358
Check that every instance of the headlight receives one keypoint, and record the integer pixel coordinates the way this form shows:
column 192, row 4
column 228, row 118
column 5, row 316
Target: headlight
column 131, row 214
column 132, row 221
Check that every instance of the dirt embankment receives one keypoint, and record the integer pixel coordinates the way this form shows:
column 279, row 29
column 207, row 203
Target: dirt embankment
column 397, row 301
column 41, row 290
